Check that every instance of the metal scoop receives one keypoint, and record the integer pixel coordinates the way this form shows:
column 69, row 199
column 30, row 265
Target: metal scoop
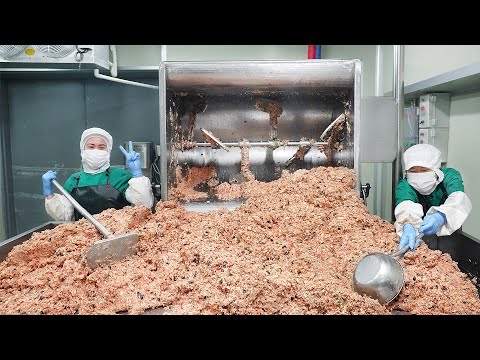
column 380, row 276
column 109, row 249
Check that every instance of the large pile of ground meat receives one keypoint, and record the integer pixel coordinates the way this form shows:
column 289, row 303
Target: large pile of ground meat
column 290, row 249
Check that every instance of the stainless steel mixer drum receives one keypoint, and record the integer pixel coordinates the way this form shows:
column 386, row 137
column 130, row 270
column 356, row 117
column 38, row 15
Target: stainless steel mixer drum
column 223, row 98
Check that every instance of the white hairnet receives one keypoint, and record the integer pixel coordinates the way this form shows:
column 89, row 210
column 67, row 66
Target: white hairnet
column 96, row 132
column 424, row 155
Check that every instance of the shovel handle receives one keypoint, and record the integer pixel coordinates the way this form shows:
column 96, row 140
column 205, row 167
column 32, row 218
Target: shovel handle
column 82, row 210
column 405, row 248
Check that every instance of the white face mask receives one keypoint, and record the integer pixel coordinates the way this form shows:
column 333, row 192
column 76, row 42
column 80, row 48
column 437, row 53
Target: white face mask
column 95, row 161
column 424, row 182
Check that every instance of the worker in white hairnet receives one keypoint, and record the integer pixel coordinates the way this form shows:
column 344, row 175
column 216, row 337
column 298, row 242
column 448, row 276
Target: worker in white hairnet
column 98, row 186
column 430, row 199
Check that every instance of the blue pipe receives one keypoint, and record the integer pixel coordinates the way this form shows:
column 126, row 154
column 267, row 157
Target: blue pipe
column 318, row 51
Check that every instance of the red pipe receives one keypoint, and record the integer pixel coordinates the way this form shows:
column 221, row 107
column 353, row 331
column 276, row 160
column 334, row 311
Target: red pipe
column 311, row 51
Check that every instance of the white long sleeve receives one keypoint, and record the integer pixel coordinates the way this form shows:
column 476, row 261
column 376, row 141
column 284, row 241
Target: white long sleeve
column 139, row 191
column 407, row 212
column 456, row 208
column 59, row 208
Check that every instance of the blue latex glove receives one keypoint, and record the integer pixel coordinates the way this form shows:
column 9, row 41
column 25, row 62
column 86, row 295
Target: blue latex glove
column 47, row 182
column 432, row 222
column 408, row 237
column 132, row 160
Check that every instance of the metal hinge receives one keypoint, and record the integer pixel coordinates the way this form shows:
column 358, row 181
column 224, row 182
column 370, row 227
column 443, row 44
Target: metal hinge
column 365, row 190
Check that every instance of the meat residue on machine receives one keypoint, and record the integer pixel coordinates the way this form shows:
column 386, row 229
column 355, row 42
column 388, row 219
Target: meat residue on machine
column 245, row 162
column 274, row 110
column 186, row 184
column 335, row 136
column 291, row 248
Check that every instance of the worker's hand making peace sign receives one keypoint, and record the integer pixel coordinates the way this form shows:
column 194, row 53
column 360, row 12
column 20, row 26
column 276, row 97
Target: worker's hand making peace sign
column 132, row 160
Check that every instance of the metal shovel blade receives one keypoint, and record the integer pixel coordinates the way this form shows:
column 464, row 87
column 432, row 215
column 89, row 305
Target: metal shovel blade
column 112, row 249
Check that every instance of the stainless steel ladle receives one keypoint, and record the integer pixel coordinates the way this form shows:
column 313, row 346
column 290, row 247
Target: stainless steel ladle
column 380, row 276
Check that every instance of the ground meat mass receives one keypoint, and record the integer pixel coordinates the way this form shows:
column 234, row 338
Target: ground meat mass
column 291, row 248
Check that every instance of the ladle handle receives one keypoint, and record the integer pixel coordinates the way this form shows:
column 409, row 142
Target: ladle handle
column 405, row 248
column 82, row 210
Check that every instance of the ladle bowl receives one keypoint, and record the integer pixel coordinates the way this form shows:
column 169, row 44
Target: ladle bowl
column 380, row 276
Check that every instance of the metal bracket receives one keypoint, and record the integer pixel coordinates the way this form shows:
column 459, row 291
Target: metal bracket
column 365, row 190
column 214, row 139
